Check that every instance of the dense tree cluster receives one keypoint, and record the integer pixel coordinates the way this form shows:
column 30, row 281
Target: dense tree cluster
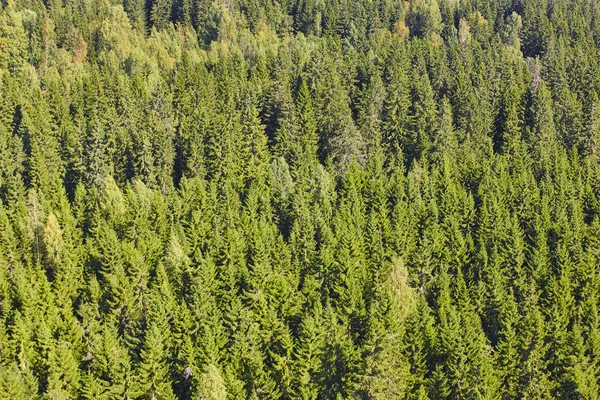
column 299, row 199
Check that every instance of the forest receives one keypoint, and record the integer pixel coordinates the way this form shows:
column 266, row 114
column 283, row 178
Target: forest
column 299, row 199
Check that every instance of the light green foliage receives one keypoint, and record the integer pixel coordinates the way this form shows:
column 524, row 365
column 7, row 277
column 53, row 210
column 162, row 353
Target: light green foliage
column 212, row 385
column 299, row 199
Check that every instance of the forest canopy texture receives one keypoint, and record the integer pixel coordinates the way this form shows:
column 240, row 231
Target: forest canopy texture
column 299, row 199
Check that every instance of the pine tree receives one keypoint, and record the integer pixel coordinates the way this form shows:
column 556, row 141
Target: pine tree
column 152, row 378
column 424, row 17
column 307, row 353
column 306, row 146
column 423, row 110
column 510, row 131
column 160, row 14
column 253, row 152
column 212, row 386
column 445, row 140
column 388, row 369
column 17, row 384
column 396, row 119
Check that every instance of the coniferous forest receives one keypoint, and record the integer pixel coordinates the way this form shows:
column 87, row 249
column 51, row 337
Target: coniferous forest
column 299, row 199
